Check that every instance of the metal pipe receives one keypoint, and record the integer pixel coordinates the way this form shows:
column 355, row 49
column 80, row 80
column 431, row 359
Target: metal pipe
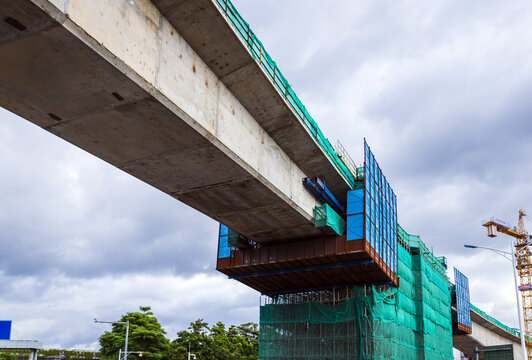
column 519, row 308
column 127, row 335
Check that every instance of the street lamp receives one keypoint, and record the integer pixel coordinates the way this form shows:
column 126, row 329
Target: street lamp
column 507, row 255
column 129, row 352
column 127, row 334
column 189, row 354
column 519, row 308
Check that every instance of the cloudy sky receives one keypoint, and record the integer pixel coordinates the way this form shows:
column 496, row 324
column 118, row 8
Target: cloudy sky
column 439, row 89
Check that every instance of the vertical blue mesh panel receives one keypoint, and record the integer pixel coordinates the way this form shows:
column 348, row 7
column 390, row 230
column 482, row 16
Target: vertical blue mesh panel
column 463, row 305
column 380, row 208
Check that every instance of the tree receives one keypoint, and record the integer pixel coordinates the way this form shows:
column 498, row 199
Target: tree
column 207, row 343
column 8, row 356
column 145, row 334
column 217, row 343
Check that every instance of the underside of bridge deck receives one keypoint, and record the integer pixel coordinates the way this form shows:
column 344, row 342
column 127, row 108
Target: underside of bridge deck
column 117, row 80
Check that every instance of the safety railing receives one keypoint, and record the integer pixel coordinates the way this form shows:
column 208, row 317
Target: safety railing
column 491, row 319
column 414, row 242
column 346, row 159
column 257, row 51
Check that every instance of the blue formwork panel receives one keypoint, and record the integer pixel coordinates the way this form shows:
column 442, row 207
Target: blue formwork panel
column 463, row 305
column 355, row 202
column 355, row 227
column 224, row 250
column 355, row 214
column 5, row 329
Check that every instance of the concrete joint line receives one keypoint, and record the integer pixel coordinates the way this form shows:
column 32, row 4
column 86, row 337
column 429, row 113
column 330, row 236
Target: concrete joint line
column 199, row 188
column 265, row 207
column 104, row 109
column 163, row 153
column 224, row 78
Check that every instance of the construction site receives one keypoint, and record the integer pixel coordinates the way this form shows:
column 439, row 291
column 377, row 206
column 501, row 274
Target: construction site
column 315, row 232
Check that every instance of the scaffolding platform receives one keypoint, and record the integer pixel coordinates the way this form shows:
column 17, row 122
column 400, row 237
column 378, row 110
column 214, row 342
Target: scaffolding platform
column 310, row 264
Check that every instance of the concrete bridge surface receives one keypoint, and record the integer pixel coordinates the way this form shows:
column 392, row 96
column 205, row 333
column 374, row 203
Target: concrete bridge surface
column 486, row 331
column 32, row 346
column 167, row 92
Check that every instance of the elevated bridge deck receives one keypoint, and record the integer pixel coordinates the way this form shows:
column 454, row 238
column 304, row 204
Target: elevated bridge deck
column 167, row 92
column 486, row 331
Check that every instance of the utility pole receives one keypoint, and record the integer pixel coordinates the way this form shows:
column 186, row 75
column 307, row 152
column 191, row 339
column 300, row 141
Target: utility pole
column 127, row 335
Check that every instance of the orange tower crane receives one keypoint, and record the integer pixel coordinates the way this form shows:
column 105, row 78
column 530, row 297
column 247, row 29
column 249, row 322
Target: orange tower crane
column 521, row 261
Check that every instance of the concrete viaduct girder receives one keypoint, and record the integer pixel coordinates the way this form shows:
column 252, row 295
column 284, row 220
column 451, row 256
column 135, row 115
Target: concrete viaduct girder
column 116, row 79
column 485, row 333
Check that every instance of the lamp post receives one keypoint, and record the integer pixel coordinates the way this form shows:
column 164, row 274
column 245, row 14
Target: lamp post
column 129, row 352
column 189, row 354
column 514, row 270
column 507, row 255
column 127, row 334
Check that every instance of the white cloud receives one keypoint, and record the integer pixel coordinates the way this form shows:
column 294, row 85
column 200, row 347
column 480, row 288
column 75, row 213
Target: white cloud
column 60, row 309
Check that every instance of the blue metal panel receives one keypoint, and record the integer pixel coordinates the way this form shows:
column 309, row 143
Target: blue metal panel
column 355, row 211
column 377, row 221
column 380, row 210
column 387, row 233
column 368, row 227
column 329, row 197
column 224, row 230
column 373, row 238
column 323, row 194
column 355, row 202
column 5, row 329
column 355, row 227
column 224, row 250
column 463, row 306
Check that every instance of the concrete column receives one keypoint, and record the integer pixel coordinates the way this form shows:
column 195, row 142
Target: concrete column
column 33, row 354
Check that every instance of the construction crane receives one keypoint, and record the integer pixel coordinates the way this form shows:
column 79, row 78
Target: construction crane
column 521, row 260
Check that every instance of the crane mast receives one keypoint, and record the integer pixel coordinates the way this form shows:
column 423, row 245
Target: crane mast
column 523, row 266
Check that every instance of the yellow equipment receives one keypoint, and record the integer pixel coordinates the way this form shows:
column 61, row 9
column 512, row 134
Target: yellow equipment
column 523, row 266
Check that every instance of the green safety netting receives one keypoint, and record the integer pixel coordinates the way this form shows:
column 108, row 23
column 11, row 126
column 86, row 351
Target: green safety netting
column 324, row 215
column 496, row 322
column 412, row 321
column 256, row 49
column 414, row 242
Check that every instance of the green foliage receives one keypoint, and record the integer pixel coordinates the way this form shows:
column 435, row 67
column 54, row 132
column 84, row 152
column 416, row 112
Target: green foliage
column 217, row 343
column 207, row 343
column 70, row 354
column 43, row 353
column 145, row 335
column 8, row 356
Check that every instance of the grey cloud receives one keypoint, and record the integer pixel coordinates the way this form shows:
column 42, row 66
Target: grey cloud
column 77, row 215
column 440, row 90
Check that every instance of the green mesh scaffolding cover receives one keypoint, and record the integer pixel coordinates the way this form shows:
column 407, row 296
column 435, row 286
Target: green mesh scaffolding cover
column 412, row 321
column 324, row 215
column 257, row 51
